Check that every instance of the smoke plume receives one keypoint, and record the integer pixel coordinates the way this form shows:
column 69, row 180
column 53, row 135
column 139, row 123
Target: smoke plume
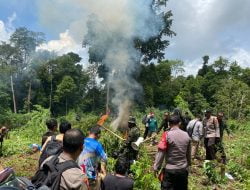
column 111, row 27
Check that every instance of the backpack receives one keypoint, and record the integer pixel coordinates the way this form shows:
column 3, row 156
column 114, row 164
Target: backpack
column 144, row 119
column 53, row 147
column 190, row 130
column 49, row 175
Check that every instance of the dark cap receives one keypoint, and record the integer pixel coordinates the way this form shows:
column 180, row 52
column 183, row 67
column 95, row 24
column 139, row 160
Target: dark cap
column 95, row 130
column 132, row 120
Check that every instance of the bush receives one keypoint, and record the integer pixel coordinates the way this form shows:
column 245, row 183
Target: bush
column 143, row 174
column 29, row 133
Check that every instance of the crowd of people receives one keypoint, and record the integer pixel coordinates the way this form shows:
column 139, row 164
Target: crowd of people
column 69, row 160
column 183, row 138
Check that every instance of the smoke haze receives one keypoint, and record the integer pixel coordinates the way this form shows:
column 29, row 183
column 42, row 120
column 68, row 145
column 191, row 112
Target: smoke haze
column 109, row 28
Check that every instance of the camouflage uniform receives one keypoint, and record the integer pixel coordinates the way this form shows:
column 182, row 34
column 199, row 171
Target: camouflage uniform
column 220, row 147
column 127, row 154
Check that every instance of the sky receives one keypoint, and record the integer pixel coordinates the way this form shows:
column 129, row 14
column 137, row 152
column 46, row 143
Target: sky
column 203, row 27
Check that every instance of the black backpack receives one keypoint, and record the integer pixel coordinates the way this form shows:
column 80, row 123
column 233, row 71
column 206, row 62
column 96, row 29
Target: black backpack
column 144, row 119
column 49, row 175
column 53, row 147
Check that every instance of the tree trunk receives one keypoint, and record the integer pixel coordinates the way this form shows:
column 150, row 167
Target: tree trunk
column 29, row 98
column 51, row 90
column 66, row 107
column 13, row 94
column 241, row 103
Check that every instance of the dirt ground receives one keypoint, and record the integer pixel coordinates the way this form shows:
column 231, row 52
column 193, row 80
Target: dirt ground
column 23, row 165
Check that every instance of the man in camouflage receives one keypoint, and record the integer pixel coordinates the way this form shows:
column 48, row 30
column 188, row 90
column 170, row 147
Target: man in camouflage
column 127, row 154
column 223, row 126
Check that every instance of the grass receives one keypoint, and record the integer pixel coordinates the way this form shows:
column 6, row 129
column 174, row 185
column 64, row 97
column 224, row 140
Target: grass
column 18, row 155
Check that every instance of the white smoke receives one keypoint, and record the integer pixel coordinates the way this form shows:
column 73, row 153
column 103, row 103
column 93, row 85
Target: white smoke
column 109, row 30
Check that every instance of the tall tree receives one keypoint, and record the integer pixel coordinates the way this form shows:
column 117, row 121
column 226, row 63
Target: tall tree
column 233, row 98
column 65, row 91
column 26, row 42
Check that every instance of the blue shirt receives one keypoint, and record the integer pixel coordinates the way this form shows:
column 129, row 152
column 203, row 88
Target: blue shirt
column 91, row 155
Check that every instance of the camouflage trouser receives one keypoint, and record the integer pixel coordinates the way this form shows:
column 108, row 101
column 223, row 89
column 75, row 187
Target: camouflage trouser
column 153, row 140
column 221, row 151
column 195, row 147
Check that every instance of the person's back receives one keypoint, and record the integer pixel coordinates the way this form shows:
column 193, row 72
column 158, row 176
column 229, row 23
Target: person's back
column 53, row 144
column 63, row 166
column 211, row 127
column 64, row 126
column 118, row 181
column 90, row 157
column 177, row 155
column 52, row 127
column 178, row 142
column 93, row 156
column 71, row 178
column 195, row 129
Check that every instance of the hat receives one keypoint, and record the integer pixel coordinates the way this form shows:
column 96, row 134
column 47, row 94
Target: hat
column 132, row 120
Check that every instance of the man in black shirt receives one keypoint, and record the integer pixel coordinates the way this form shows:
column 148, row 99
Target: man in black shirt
column 52, row 128
column 164, row 123
column 118, row 181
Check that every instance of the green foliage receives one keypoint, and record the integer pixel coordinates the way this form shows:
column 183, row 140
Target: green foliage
column 31, row 132
column 111, row 165
column 81, row 121
column 210, row 171
column 237, row 91
column 143, row 174
column 12, row 120
column 182, row 104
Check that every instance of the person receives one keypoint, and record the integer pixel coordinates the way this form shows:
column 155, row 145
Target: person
column 118, row 181
column 145, row 122
column 52, row 128
column 196, row 132
column 3, row 133
column 178, row 112
column 177, row 155
column 63, row 127
column 164, row 124
column 92, row 156
column 152, row 128
column 127, row 155
column 186, row 118
column 212, row 134
column 223, row 126
column 72, row 178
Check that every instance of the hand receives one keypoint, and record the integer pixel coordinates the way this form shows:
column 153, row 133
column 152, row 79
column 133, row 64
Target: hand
column 103, row 169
